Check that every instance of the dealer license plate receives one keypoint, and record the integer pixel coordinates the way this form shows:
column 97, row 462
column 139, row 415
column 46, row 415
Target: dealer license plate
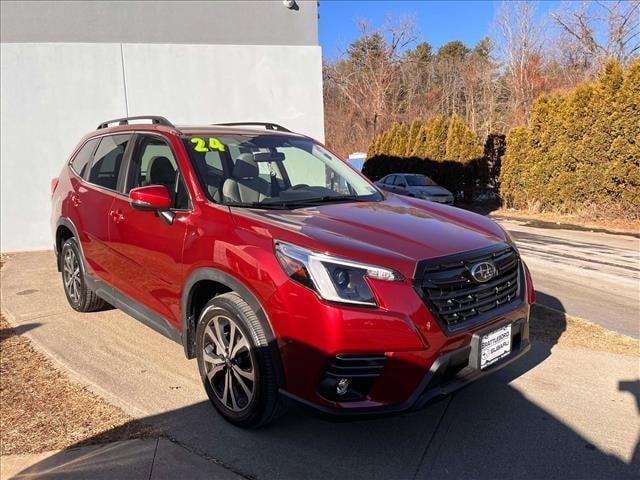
column 495, row 345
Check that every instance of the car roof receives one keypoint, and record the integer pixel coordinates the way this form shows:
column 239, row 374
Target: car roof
column 194, row 130
column 404, row 174
column 159, row 123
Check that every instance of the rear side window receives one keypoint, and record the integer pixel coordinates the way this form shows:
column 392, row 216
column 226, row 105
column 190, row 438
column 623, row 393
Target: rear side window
column 107, row 160
column 82, row 160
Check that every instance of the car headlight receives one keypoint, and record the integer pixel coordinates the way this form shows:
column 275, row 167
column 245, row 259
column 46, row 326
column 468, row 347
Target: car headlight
column 333, row 278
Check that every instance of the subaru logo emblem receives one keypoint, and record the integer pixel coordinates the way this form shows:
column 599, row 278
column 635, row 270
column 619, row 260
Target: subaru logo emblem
column 483, row 271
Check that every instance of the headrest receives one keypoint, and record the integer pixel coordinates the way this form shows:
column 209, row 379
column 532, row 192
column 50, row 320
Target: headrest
column 245, row 166
column 161, row 171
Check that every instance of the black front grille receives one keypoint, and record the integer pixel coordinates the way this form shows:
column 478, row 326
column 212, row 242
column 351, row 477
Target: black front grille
column 457, row 299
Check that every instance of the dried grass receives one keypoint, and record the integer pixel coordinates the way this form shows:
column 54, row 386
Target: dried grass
column 588, row 219
column 42, row 410
column 556, row 327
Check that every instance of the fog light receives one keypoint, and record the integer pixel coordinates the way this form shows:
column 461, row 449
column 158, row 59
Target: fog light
column 343, row 386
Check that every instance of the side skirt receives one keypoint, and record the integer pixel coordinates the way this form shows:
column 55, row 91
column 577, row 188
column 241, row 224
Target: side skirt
column 132, row 308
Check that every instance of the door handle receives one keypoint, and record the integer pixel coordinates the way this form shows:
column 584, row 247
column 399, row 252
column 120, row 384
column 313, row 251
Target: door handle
column 75, row 199
column 116, row 215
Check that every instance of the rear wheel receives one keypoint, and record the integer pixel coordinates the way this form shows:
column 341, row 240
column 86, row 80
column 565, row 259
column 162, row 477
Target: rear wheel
column 79, row 296
column 236, row 366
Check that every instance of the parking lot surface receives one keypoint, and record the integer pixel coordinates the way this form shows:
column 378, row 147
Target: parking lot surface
column 557, row 413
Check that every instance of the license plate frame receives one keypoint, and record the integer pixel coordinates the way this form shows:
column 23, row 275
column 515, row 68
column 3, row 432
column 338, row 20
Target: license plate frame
column 495, row 345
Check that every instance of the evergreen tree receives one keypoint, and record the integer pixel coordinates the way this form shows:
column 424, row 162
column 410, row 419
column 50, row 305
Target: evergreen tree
column 413, row 137
column 436, row 138
column 462, row 144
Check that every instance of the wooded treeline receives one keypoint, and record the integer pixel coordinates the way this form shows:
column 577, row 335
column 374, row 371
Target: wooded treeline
column 388, row 75
column 564, row 108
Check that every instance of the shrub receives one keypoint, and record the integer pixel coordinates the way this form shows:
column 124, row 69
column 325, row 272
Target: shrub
column 444, row 149
column 580, row 150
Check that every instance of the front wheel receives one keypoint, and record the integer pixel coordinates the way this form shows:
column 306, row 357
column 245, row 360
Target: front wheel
column 236, row 366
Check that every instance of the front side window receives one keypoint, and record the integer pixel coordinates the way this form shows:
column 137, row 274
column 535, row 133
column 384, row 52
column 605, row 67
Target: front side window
column 400, row 181
column 153, row 163
column 274, row 171
column 107, row 160
column 82, row 160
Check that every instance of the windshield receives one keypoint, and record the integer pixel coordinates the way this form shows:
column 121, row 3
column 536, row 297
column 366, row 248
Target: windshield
column 419, row 181
column 271, row 171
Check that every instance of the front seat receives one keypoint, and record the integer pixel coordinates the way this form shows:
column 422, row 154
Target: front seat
column 161, row 172
column 245, row 185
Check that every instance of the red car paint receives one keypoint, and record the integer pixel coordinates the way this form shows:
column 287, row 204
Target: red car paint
column 150, row 262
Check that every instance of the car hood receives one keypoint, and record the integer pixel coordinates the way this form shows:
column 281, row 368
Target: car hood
column 396, row 232
column 433, row 190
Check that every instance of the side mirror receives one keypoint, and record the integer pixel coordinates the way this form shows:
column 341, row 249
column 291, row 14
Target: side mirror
column 150, row 198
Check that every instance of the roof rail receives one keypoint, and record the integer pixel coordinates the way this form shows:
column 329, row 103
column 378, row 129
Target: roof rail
column 267, row 125
column 156, row 120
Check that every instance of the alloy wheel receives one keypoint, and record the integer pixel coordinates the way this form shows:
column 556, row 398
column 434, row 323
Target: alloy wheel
column 228, row 363
column 71, row 273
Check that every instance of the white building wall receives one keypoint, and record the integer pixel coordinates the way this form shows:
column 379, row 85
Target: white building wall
column 53, row 93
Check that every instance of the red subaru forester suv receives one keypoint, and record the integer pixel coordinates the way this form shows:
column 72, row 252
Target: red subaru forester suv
column 285, row 272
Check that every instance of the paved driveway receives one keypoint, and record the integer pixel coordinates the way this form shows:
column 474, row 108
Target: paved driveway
column 558, row 413
column 592, row 275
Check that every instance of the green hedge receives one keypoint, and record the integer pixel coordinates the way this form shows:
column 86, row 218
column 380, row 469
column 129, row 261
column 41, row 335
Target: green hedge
column 580, row 151
column 462, row 179
column 443, row 148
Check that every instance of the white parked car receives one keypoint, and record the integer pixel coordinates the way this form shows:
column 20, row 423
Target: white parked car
column 415, row 185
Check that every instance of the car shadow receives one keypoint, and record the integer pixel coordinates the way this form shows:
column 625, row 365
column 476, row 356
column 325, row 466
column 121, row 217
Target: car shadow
column 488, row 430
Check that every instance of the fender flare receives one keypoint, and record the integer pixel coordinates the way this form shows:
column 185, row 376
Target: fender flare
column 66, row 222
column 188, row 323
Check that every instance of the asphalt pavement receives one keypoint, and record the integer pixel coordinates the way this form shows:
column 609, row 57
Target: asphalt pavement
column 592, row 275
column 556, row 413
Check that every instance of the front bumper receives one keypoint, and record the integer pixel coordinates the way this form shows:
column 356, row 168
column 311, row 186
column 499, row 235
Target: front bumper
column 450, row 372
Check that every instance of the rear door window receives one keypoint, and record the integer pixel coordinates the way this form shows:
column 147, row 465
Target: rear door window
column 82, row 160
column 105, row 169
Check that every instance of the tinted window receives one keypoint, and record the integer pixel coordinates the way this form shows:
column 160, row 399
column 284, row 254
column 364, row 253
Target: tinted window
column 400, row 180
column 419, row 181
column 389, row 180
column 153, row 163
column 83, row 158
column 107, row 160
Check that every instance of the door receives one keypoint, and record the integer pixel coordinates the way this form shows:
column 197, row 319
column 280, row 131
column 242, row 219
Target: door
column 148, row 247
column 93, row 192
column 387, row 183
column 400, row 185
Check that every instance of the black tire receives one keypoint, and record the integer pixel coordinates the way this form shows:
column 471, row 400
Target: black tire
column 263, row 405
column 79, row 296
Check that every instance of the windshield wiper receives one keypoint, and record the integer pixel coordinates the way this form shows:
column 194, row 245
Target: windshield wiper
column 323, row 199
column 277, row 204
column 264, row 206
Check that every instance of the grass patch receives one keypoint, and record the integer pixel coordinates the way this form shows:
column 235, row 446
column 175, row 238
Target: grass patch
column 42, row 410
column 551, row 326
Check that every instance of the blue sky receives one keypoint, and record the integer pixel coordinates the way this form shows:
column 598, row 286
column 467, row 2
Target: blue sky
column 437, row 22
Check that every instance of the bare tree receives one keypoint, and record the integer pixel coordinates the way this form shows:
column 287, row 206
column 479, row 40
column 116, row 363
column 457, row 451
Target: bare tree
column 620, row 21
column 368, row 79
column 521, row 45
